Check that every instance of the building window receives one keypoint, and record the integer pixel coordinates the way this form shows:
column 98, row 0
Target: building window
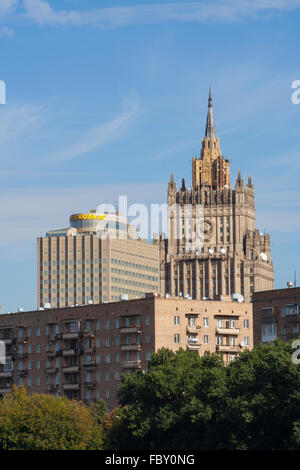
column 246, row 324
column 38, row 332
column 107, row 342
column 117, row 357
column 176, row 338
column 147, row 320
column 117, row 375
column 107, row 359
column 206, row 339
column 283, row 330
column 176, row 320
column 98, row 325
column 205, row 322
column 38, row 381
column 98, row 343
column 247, row 341
column 107, row 394
column 107, row 324
column 148, row 355
column 20, row 332
column 148, row 338
column 107, row 376
column 38, row 364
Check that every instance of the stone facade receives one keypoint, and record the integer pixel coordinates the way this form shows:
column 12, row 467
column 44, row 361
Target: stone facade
column 234, row 257
column 81, row 352
column 276, row 314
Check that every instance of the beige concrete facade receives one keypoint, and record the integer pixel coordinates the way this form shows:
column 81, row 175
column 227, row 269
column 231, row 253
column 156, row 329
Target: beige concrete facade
column 276, row 314
column 77, row 266
column 81, row 352
column 234, row 257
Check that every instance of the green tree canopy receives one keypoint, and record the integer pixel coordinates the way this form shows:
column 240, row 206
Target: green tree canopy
column 185, row 401
column 44, row 422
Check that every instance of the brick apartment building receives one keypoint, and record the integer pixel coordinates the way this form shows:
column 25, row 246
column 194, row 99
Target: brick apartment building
column 81, row 352
column 276, row 314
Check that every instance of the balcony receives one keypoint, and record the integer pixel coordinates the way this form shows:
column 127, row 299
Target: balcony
column 193, row 345
column 7, row 341
column 227, row 348
column 295, row 317
column 50, row 370
column 73, row 335
column 228, row 331
column 90, row 365
column 70, row 369
column 6, row 374
column 131, row 347
column 131, row 364
column 71, row 386
column 90, row 384
column 70, row 352
column 193, row 329
column 130, row 329
column 292, row 336
column 5, row 390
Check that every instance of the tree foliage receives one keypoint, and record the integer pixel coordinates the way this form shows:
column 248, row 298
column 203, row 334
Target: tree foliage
column 44, row 422
column 189, row 402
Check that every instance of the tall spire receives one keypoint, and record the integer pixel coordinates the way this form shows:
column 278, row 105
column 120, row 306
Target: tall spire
column 210, row 132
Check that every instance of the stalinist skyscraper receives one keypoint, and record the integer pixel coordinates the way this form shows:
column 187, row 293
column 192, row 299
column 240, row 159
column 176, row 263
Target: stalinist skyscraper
column 234, row 258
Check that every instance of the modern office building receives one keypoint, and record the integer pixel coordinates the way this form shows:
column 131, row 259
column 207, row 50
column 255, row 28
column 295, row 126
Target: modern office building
column 276, row 314
column 233, row 256
column 81, row 352
column 99, row 258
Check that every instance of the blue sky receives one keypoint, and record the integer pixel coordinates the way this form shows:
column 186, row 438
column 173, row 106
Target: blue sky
column 110, row 97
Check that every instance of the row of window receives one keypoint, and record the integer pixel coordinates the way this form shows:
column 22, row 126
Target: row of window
column 74, row 327
column 220, row 322
column 220, row 339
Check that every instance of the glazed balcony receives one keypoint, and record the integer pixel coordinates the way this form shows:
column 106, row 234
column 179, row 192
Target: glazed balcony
column 131, row 347
column 227, row 331
column 70, row 369
column 130, row 329
column 132, row 364
column 71, row 386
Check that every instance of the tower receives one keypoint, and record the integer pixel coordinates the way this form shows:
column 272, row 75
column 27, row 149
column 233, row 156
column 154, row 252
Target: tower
column 234, row 257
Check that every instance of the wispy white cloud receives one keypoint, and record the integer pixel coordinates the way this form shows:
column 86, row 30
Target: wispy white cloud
column 29, row 212
column 5, row 31
column 102, row 133
column 20, row 120
column 8, row 6
column 41, row 12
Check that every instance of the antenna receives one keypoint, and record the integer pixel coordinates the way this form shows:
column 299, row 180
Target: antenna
column 295, row 278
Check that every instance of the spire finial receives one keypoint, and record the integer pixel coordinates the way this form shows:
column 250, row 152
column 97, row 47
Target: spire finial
column 210, row 132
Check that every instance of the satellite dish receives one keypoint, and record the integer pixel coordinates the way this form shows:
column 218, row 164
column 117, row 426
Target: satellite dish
column 197, row 253
column 211, row 251
column 263, row 256
column 223, row 251
column 242, row 344
column 237, row 298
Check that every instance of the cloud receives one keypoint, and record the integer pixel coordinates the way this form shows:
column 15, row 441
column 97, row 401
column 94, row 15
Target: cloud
column 20, row 120
column 6, row 32
column 103, row 133
column 225, row 11
column 8, row 6
column 27, row 213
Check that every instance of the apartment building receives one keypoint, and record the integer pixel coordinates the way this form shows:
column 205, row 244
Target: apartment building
column 81, row 352
column 99, row 258
column 276, row 314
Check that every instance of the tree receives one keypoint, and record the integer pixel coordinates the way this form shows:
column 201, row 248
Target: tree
column 44, row 422
column 172, row 405
column 263, row 399
column 189, row 402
